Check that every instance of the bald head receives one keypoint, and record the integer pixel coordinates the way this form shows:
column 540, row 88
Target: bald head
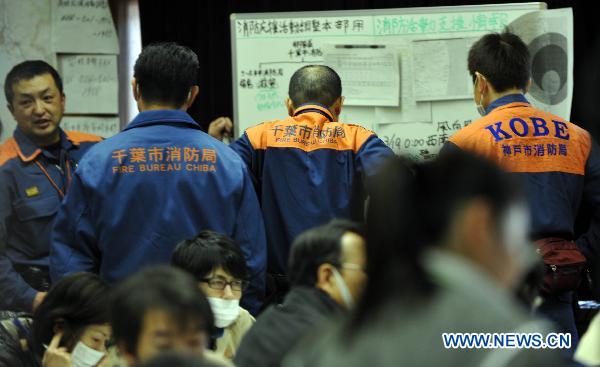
column 315, row 84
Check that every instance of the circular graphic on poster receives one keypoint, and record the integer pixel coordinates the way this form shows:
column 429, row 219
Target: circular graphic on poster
column 549, row 68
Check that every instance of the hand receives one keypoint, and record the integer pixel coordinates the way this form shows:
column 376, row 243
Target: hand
column 220, row 128
column 56, row 356
column 39, row 297
column 105, row 361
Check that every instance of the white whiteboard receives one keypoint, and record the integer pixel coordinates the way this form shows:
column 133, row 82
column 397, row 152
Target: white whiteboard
column 268, row 47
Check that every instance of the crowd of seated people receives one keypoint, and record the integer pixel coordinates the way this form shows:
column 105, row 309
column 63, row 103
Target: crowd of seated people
column 162, row 246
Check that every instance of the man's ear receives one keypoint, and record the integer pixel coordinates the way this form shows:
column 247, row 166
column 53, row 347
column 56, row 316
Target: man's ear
column 337, row 106
column 135, row 89
column 10, row 108
column 325, row 277
column 527, row 86
column 192, row 94
column 327, row 283
column 290, row 106
column 482, row 83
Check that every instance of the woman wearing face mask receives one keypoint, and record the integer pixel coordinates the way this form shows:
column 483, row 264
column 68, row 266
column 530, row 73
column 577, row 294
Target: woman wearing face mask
column 218, row 264
column 69, row 328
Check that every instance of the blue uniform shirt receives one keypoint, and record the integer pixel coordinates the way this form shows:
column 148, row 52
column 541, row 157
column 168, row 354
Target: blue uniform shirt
column 160, row 181
column 557, row 162
column 32, row 183
column 308, row 169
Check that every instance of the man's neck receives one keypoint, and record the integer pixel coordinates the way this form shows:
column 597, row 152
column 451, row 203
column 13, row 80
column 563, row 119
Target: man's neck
column 331, row 110
column 142, row 107
column 495, row 95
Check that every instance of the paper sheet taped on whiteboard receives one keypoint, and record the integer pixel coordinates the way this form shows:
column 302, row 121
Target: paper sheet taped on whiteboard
column 363, row 116
column 83, row 27
column 419, row 141
column 440, row 69
column 90, row 83
column 97, row 125
column 370, row 73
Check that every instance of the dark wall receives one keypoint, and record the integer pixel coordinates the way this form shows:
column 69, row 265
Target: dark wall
column 203, row 25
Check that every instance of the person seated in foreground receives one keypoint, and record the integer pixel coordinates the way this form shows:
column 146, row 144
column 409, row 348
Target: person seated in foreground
column 69, row 328
column 160, row 309
column 447, row 245
column 327, row 276
column 218, row 265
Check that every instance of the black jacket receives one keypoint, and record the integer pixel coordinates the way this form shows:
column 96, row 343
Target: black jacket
column 11, row 352
column 280, row 327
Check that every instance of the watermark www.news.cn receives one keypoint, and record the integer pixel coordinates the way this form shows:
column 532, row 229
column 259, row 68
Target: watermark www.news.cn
column 506, row 340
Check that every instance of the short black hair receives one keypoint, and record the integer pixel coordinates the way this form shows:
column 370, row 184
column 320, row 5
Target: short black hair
column 157, row 288
column 503, row 59
column 315, row 84
column 165, row 72
column 28, row 70
column 74, row 302
column 318, row 246
column 209, row 250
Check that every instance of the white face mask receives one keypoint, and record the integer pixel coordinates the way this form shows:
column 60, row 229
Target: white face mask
column 480, row 107
column 84, row 356
column 226, row 311
column 345, row 292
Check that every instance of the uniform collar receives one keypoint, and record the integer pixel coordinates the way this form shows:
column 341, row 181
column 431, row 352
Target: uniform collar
column 312, row 107
column 155, row 117
column 503, row 101
column 28, row 150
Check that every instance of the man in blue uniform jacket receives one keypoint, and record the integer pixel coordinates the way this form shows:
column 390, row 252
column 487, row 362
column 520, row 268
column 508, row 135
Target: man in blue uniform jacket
column 36, row 166
column 556, row 161
column 158, row 182
column 308, row 167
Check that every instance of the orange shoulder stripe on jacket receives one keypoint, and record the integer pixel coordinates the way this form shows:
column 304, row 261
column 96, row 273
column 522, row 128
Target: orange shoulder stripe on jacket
column 257, row 135
column 302, row 133
column 362, row 135
column 8, row 151
column 78, row 137
column 524, row 139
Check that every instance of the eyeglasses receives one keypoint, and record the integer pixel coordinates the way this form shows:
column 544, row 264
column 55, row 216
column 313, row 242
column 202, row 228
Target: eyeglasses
column 353, row 266
column 220, row 284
